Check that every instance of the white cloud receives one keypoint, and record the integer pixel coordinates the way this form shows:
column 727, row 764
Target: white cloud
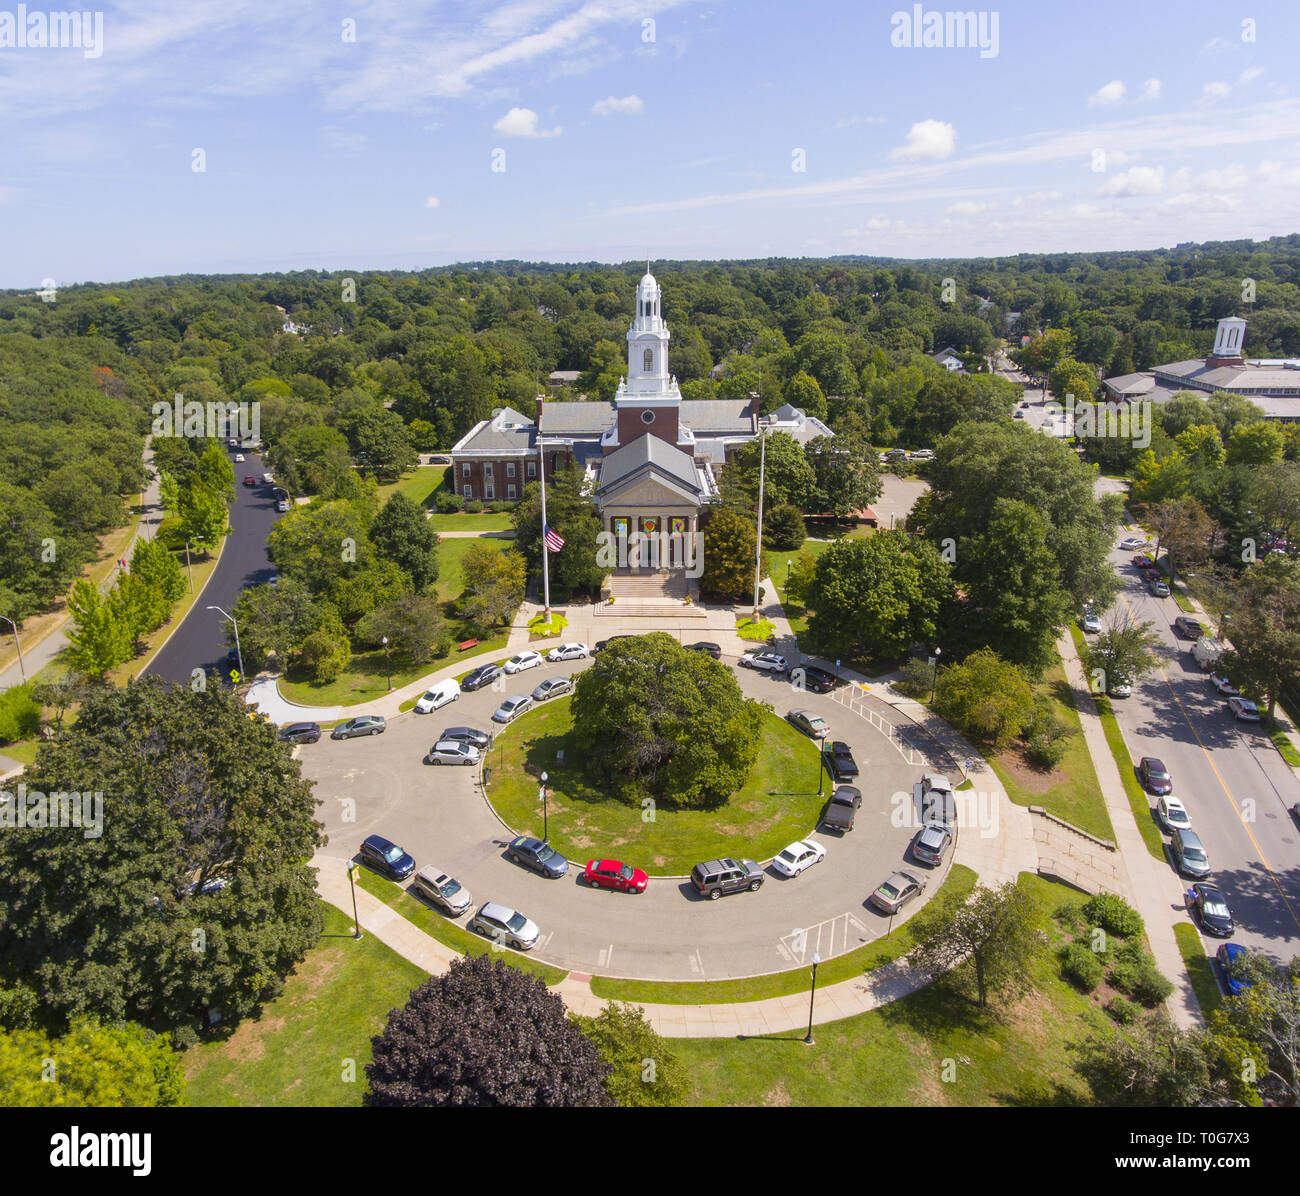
column 1212, row 92
column 966, row 207
column 522, row 122
column 627, row 106
column 1229, row 178
column 1111, row 93
column 1272, row 171
column 1249, row 75
column 1036, row 197
column 432, row 201
column 1141, row 180
column 1150, row 90
column 927, row 141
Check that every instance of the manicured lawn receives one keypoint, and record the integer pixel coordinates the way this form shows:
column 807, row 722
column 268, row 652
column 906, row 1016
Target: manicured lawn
column 295, row 1053
column 366, row 676
column 418, row 485
column 1282, row 741
column 957, row 886
column 486, row 521
column 451, row 581
column 1200, row 969
column 1076, row 795
column 780, row 562
column 778, row 804
column 24, row 751
column 934, row 1048
column 451, row 934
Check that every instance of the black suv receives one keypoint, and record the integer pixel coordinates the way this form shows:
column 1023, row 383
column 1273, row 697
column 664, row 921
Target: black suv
column 386, row 857
column 709, row 649
column 485, row 674
column 813, row 679
column 715, row 877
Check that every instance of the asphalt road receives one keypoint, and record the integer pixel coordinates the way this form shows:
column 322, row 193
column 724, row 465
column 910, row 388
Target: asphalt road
column 438, row 814
column 200, row 641
column 1236, row 787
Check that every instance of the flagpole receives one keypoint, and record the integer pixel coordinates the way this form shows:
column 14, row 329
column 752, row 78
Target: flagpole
column 546, row 552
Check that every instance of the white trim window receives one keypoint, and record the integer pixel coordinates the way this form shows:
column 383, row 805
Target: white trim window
column 464, row 470
column 532, row 469
column 469, row 491
column 510, row 491
column 510, row 469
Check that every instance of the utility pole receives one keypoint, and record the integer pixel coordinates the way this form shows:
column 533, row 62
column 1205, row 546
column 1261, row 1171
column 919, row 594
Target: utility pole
column 758, row 548
column 22, row 668
column 188, row 569
column 546, row 552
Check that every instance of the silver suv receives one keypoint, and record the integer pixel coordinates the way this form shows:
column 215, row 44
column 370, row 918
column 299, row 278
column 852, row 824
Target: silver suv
column 505, row 926
column 715, row 877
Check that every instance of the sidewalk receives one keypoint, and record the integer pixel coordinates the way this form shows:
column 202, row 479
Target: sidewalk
column 1152, row 888
column 776, row 1015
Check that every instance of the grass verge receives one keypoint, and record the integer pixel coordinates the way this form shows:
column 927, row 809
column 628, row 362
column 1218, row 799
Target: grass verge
column 449, row 934
column 1282, row 741
column 1199, row 968
column 957, row 886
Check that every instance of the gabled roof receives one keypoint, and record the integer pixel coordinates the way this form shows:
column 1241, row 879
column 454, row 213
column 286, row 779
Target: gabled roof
column 506, row 432
column 576, row 419
column 717, row 415
column 649, row 454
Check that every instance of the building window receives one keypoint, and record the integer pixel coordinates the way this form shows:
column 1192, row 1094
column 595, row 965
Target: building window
column 510, row 492
column 647, row 417
column 648, row 360
column 469, row 491
column 464, row 470
column 487, row 469
column 532, row 469
column 510, row 469
column 488, row 491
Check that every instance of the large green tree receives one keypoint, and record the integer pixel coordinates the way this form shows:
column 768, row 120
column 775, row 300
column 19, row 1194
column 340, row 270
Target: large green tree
column 401, row 533
column 578, row 567
column 730, row 547
column 653, row 719
column 645, row 1072
column 193, row 894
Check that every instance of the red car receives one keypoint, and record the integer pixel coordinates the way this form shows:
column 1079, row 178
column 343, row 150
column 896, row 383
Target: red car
column 1140, row 559
column 612, row 874
column 249, row 480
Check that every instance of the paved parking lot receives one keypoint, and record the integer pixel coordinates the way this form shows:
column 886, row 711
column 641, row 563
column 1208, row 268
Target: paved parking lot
column 439, row 814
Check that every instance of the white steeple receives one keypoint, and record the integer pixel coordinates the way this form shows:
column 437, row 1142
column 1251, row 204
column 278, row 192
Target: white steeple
column 1229, row 337
column 647, row 347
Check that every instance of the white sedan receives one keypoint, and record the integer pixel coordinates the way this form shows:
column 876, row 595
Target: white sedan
column 568, row 652
column 239, row 456
column 798, row 856
column 1173, row 814
column 1133, row 543
column 1223, row 685
column 522, row 661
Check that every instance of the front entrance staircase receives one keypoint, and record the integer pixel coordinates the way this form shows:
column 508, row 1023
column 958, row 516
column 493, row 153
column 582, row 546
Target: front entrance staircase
column 651, row 593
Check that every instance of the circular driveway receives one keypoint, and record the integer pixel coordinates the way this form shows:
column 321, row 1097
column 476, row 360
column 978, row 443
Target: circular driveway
column 438, row 813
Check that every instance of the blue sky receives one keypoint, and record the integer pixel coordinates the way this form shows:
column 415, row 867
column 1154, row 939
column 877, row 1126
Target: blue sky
column 624, row 140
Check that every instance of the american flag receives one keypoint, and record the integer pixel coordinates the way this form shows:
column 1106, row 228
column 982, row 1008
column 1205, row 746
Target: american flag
column 554, row 541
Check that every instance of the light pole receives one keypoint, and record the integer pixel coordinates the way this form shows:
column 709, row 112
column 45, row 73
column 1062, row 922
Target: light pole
column 388, row 664
column 546, row 830
column 758, row 547
column 821, row 767
column 22, row 669
column 934, row 683
column 239, row 653
column 356, row 925
column 188, row 569
column 812, row 996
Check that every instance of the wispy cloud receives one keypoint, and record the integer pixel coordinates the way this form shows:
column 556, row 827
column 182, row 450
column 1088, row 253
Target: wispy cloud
column 627, row 106
column 1110, row 93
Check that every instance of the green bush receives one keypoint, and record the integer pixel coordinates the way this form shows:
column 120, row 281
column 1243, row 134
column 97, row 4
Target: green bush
column 171, row 535
column 1080, row 966
column 1123, row 1010
column 1046, row 737
column 917, row 679
column 448, row 502
column 473, row 506
column 325, row 656
column 20, row 714
column 500, row 505
column 783, row 528
column 1134, row 972
column 1114, row 915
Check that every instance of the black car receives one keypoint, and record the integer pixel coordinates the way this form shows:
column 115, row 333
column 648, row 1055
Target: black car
column 600, row 644
column 1211, row 911
column 386, row 857
column 714, row 650
column 485, row 674
column 537, row 855
column 480, row 739
column 1188, row 628
column 813, row 679
column 839, row 759
column 300, row 733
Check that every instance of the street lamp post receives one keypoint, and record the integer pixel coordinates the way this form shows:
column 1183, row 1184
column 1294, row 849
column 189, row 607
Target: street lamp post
column 188, row 569
column 356, row 925
column 934, row 683
column 546, row 832
column 812, row 996
column 239, row 653
column 821, row 767
column 388, row 663
column 22, row 668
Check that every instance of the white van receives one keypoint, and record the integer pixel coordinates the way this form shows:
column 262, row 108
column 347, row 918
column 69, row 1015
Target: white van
column 440, row 695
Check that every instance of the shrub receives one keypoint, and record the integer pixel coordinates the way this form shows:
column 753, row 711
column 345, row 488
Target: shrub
column 171, row 535
column 473, row 506
column 448, row 502
column 759, row 632
column 783, row 528
column 1134, row 972
column 1046, row 737
column 325, row 655
column 1080, row 966
column 1114, row 915
column 1122, row 1010
column 917, row 678
column 20, row 714
column 500, row 506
